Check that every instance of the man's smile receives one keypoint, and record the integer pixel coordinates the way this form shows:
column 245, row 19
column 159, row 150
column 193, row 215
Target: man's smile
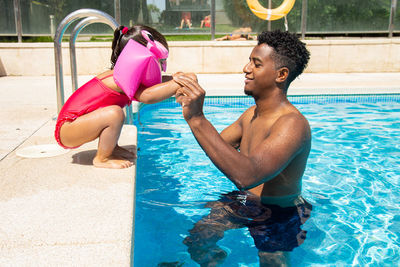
column 247, row 80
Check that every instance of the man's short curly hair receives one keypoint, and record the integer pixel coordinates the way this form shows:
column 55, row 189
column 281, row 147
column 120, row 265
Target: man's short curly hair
column 289, row 51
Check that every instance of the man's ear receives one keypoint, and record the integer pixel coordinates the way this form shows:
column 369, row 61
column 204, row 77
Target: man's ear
column 283, row 73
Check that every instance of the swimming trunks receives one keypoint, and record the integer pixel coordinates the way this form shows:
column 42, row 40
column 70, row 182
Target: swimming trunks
column 272, row 227
column 89, row 97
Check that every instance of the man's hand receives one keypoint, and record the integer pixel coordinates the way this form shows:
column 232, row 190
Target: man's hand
column 190, row 96
column 176, row 74
column 188, row 74
column 192, row 76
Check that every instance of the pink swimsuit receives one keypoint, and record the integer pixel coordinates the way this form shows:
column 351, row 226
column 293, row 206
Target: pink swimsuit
column 91, row 96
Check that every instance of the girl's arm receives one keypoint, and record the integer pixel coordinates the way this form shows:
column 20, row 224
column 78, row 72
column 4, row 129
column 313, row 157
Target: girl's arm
column 158, row 92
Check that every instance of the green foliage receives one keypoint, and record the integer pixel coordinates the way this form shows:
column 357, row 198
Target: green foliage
column 38, row 39
column 342, row 15
column 106, row 38
column 153, row 8
column 192, row 37
column 200, row 37
column 322, row 15
column 31, row 39
column 97, row 38
column 240, row 15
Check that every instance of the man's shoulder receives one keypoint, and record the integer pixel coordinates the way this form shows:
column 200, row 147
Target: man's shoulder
column 293, row 121
column 250, row 110
column 293, row 115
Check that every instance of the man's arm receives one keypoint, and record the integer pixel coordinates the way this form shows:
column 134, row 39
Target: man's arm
column 285, row 140
column 233, row 133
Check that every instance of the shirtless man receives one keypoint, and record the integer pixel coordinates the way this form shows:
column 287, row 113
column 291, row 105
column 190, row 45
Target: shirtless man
column 264, row 153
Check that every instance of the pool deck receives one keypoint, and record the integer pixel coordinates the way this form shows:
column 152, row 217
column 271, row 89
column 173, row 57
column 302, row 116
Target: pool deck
column 61, row 211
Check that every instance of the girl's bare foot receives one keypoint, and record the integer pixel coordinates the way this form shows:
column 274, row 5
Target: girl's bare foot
column 124, row 153
column 112, row 162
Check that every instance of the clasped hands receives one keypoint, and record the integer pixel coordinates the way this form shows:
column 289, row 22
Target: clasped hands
column 190, row 95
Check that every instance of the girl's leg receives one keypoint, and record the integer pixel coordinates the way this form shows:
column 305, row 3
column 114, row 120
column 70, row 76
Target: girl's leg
column 105, row 123
column 129, row 154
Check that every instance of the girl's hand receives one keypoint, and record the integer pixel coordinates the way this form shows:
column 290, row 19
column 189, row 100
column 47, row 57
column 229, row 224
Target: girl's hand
column 188, row 74
column 192, row 76
column 177, row 74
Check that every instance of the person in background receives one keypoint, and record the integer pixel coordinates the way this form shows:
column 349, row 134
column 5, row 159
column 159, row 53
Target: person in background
column 241, row 34
column 206, row 22
column 186, row 20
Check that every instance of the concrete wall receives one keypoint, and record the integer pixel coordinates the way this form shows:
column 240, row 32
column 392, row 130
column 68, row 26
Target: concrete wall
column 327, row 56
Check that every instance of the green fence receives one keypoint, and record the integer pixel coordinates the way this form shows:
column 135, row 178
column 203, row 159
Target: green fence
column 308, row 17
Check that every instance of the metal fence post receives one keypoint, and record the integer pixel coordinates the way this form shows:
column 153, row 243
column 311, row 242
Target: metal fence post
column 213, row 19
column 17, row 16
column 393, row 8
column 304, row 18
column 117, row 11
column 269, row 7
column 52, row 27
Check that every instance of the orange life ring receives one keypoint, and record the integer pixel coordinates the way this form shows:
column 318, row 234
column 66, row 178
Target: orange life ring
column 270, row 14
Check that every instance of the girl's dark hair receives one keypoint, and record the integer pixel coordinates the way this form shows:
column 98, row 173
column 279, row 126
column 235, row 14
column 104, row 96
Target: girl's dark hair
column 289, row 51
column 134, row 33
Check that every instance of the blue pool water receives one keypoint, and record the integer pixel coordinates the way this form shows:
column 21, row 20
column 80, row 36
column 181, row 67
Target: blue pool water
column 352, row 180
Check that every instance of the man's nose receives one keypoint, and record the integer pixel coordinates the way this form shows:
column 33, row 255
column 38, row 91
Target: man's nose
column 246, row 68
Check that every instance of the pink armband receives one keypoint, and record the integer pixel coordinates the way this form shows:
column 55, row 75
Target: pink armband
column 138, row 64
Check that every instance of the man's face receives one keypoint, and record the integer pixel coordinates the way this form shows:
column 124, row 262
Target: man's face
column 260, row 71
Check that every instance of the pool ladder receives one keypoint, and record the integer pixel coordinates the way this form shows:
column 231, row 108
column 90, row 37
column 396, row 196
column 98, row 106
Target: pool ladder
column 88, row 16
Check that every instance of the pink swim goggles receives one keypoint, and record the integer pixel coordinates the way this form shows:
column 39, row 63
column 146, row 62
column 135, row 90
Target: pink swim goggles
column 155, row 47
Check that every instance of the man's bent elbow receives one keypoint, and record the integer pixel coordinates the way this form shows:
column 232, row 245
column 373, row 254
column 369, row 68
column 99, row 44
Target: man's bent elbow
column 243, row 183
column 247, row 182
column 247, row 187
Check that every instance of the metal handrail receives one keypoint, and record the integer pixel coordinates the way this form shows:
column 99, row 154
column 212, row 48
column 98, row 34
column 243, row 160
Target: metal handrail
column 72, row 48
column 78, row 14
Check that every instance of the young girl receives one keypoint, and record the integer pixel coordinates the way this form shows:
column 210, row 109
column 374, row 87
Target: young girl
column 96, row 108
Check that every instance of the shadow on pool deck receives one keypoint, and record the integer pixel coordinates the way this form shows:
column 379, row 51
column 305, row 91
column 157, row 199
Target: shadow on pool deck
column 61, row 210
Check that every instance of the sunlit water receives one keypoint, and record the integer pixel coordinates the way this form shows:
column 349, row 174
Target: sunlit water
column 352, row 180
